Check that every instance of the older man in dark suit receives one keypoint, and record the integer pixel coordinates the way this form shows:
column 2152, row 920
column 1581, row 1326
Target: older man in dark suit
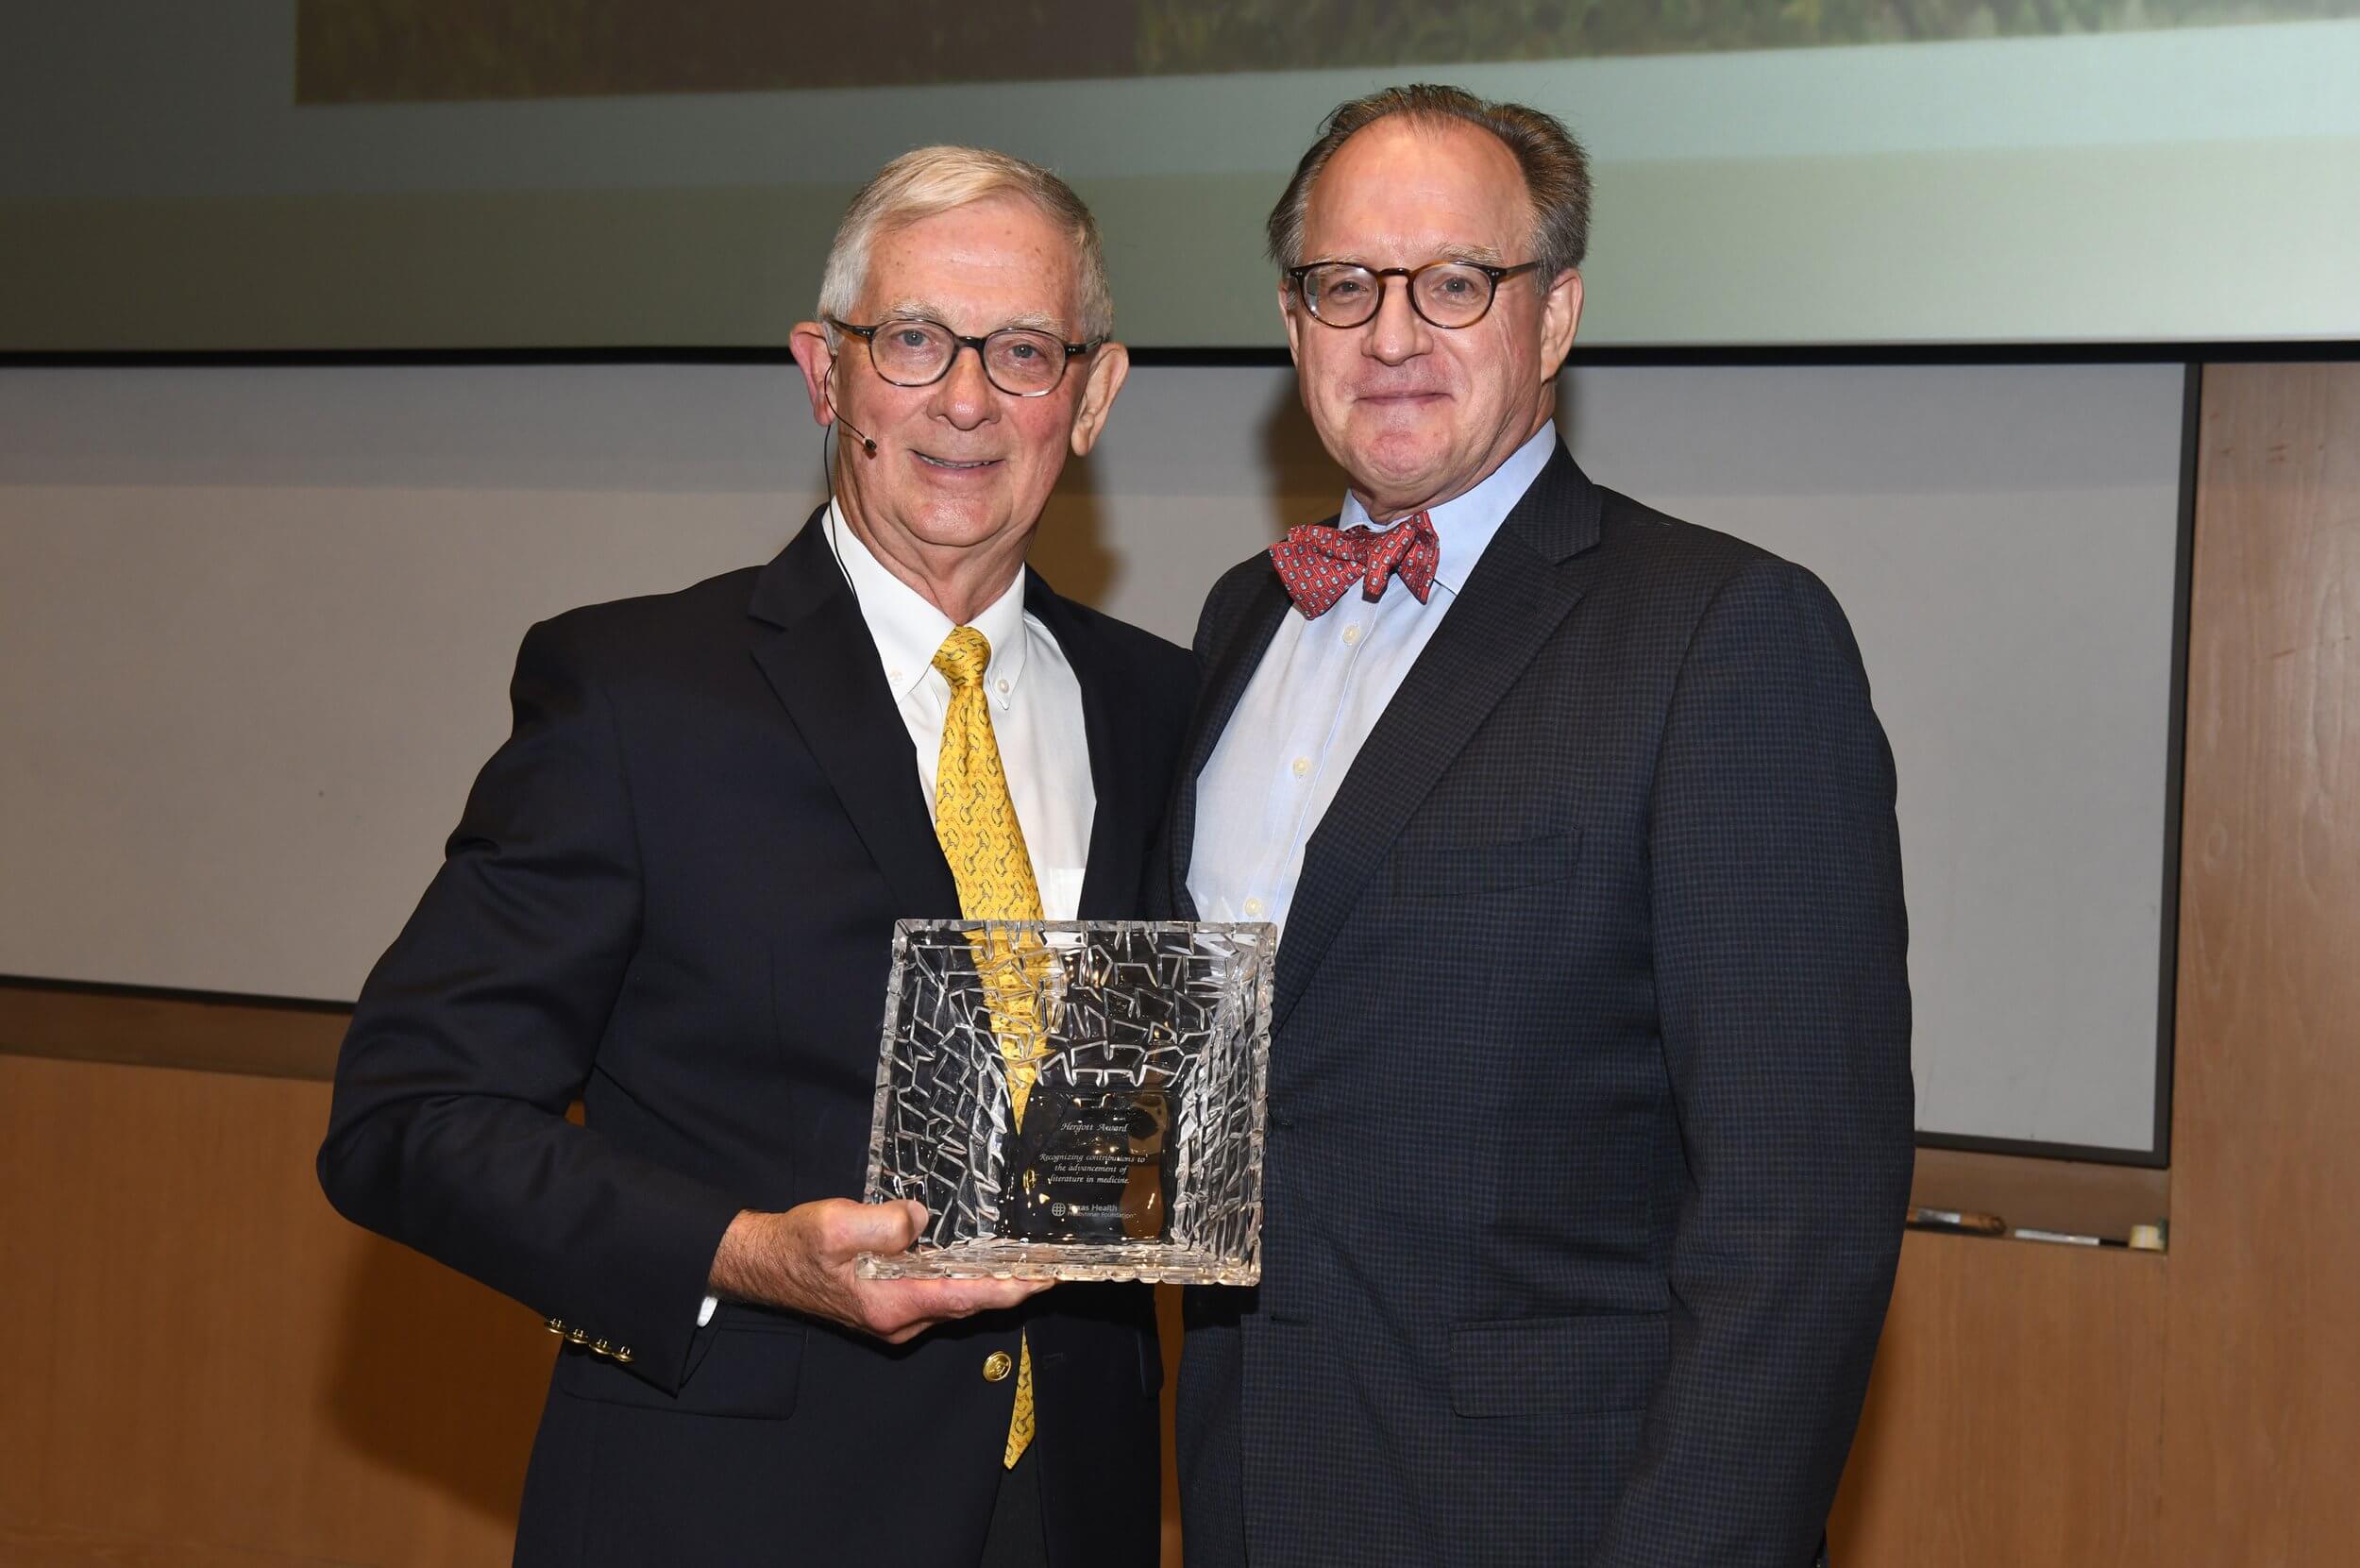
column 1589, row 1092
column 672, row 895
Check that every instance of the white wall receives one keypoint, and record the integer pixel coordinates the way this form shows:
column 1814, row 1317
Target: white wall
column 255, row 626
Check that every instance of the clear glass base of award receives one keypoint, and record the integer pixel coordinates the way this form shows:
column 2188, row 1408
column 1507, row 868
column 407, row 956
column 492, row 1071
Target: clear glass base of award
column 1075, row 1100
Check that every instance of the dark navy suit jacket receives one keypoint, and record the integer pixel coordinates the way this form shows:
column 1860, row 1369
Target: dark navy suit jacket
column 672, row 895
column 1590, row 1102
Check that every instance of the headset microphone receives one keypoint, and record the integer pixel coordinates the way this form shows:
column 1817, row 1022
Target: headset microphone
column 866, row 445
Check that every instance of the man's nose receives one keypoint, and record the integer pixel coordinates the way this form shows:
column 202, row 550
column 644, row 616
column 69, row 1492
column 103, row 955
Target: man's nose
column 1396, row 333
column 965, row 395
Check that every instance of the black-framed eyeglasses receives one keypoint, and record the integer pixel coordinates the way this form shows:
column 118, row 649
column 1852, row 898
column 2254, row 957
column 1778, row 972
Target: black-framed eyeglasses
column 1445, row 294
column 1021, row 362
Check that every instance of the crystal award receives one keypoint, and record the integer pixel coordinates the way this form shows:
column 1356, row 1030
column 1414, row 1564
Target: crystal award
column 1075, row 1100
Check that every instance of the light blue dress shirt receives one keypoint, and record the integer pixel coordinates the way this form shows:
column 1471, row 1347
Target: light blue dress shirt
column 1320, row 689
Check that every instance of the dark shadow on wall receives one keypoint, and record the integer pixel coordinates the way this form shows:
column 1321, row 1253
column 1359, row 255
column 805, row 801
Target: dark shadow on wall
column 1069, row 551
column 1871, row 1442
column 439, row 1378
column 1294, row 466
column 1568, row 412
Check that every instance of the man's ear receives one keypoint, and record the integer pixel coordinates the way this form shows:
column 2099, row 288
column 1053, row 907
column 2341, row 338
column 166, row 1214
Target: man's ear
column 809, row 344
column 1560, row 315
column 1110, row 367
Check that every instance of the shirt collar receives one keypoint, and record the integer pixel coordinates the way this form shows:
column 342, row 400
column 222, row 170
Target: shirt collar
column 908, row 630
column 1465, row 523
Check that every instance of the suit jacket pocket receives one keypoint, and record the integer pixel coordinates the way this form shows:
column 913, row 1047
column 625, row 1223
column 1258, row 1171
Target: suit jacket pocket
column 751, row 1366
column 1536, row 1366
column 1432, row 870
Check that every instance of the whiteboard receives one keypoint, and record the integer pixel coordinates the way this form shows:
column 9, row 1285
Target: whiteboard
column 255, row 626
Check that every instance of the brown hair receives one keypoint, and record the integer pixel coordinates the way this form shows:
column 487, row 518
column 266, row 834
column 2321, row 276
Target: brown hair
column 1555, row 170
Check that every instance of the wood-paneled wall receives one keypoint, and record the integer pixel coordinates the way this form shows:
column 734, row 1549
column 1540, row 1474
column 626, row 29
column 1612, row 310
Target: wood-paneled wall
column 197, row 1356
column 2014, row 1413
column 201, row 1365
column 2203, row 1408
column 2262, row 1390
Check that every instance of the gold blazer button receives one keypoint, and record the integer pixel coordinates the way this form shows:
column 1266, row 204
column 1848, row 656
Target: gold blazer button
column 997, row 1366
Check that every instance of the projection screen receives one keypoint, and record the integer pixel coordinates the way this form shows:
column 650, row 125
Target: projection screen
column 521, row 174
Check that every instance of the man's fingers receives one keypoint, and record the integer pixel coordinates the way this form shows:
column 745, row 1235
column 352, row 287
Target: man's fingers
column 901, row 1307
column 963, row 1298
column 991, row 1295
column 873, row 1227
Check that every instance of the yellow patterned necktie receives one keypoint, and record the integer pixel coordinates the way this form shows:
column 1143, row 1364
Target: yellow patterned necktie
column 975, row 821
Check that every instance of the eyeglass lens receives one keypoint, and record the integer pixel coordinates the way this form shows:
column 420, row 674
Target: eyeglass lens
column 1020, row 361
column 1448, row 294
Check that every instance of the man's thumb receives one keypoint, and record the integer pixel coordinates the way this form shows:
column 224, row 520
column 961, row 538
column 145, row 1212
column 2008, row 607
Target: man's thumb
column 884, row 1227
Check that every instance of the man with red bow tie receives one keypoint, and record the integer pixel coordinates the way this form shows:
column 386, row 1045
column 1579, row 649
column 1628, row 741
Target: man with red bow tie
column 1590, row 1100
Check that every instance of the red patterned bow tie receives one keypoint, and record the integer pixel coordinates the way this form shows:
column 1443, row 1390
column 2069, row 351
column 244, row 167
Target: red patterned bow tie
column 1318, row 563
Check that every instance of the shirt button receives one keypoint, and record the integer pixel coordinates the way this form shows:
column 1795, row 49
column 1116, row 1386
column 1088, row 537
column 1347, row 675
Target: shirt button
column 894, row 676
column 997, row 1366
column 1253, row 909
column 1352, row 637
column 1302, row 768
column 1004, row 688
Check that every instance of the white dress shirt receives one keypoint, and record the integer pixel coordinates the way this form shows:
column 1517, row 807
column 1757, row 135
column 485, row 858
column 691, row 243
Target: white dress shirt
column 1035, row 716
column 1320, row 689
column 1036, row 710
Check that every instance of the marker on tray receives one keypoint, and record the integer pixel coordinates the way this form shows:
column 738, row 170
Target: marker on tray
column 1957, row 1222
column 2068, row 1238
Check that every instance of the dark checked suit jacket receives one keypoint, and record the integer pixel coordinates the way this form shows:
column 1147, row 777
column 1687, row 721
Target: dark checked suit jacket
column 1590, row 1102
column 672, row 895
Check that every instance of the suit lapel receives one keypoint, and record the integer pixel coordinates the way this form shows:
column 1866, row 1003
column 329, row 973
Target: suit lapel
column 1249, row 638
column 1519, row 593
column 819, row 658
column 1110, row 877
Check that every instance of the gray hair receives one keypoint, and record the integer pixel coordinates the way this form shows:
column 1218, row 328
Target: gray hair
column 929, row 180
column 1555, row 170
